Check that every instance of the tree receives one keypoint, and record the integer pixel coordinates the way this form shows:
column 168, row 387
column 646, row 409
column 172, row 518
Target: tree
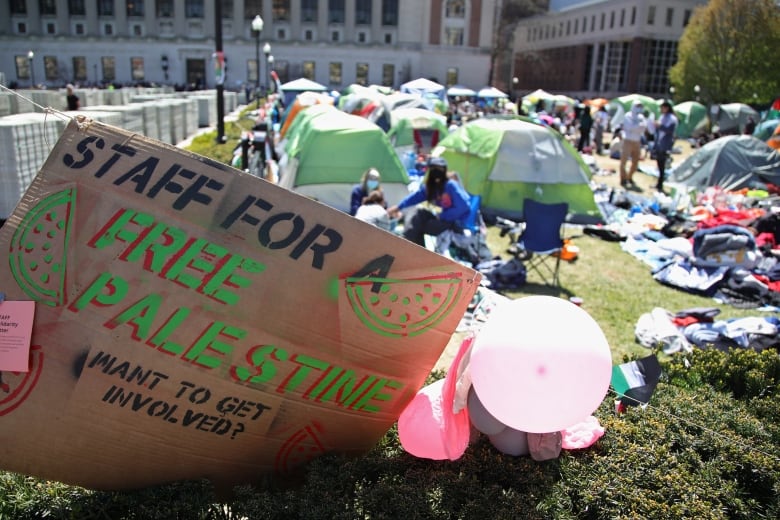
column 512, row 11
column 729, row 49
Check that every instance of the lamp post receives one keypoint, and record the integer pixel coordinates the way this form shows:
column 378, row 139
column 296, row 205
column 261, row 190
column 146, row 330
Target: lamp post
column 697, row 91
column 257, row 27
column 30, row 56
column 269, row 60
column 672, row 90
column 164, row 64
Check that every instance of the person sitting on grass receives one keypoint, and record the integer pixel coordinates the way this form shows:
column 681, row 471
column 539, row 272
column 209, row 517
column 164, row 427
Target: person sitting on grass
column 442, row 191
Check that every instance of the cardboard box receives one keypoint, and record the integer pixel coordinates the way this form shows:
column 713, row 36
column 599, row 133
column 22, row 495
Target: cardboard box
column 193, row 321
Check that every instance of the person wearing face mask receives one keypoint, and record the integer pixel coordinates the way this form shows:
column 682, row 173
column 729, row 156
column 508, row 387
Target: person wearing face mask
column 369, row 181
column 634, row 126
column 439, row 190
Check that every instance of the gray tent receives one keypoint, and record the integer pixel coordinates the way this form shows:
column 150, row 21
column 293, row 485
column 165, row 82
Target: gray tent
column 730, row 162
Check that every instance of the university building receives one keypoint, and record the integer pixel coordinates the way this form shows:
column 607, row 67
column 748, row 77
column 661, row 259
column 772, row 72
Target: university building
column 600, row 48
column 333, row 42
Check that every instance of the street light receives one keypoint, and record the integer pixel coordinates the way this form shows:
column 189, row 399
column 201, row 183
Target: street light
column 30, row 56
column 270, row 60
column 697, row 91
column 257, row 27
column 672, row 90
column 164, row 64
column 267, row 53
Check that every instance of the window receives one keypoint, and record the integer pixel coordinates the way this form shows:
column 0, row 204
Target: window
column 109, row 68
column 79, row 29
column 453, row 36
column 686, row 17
column 22, row 66
column 137, row 29
column 576, row 25
column 281, row 10
column 363, row 12
column 308, row 10
column 21, row 28
column 108, row 29
column 137, row 68
column 452, row 76
column 135, row 7
column 164, row 9
column 388, row 74
column 361, row 37
column 390, row 12
column 334, row 73
column 105, row 7
column 622, row 17
column 308, row 70
column 335, row 11
column 388, row 38
column 48, row 7
column 51, row 28
column 281, row 34
column 20, row 7
column 80, row 68
column 669, row 16
column 251, row 71
column 227, row 9
column 612, row 20
column 193, row 9
column 76, row 8
column 651, row 15
column 51, row 67
column 593, row 23
column 603, row 20
column 335, row 36
column 252, row 8
column 308, row 35
column 282, row 68
column 568, row 27
column 361, row 74
column 633, row 15
column 455, row 9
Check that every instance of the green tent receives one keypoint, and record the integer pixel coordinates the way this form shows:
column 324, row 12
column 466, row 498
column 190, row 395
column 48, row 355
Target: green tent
column 625, row 102
column 326, row 151
column 416, row 126
column 507, row 160
column 692, row 117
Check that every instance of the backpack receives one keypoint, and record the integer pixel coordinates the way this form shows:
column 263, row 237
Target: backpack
column 503, row 274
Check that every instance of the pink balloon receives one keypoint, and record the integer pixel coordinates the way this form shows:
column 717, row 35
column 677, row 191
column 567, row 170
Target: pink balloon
column 428, row 428
column 540, row 364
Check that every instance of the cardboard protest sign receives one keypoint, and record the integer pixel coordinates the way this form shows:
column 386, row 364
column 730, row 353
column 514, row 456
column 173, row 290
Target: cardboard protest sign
column 193, row 321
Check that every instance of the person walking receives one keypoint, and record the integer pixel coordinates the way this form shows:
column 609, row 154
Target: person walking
column 665, row 128
column 634, row 126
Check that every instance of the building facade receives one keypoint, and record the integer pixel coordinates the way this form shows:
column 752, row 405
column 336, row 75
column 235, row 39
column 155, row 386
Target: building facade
column 333, row 42
column 601, row 48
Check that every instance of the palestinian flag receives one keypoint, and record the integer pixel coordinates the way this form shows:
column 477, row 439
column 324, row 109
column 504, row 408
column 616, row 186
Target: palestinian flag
column 635, row 381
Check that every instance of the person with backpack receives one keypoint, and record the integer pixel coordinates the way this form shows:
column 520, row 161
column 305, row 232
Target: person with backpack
column 441, row 191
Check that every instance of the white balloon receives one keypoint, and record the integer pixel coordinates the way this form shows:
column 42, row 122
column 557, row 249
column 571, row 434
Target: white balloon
column 540, row 364
column 510, row 441
column 480, row 417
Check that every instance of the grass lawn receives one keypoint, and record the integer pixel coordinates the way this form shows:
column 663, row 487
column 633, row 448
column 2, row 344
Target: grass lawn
column 616, row 289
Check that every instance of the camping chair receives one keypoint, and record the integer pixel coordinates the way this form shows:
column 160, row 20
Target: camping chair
column 541, row 242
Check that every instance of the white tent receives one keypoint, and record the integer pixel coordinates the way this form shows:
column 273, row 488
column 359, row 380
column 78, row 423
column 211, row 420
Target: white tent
column 296, row 86
column 424, row 87
column 491, row 93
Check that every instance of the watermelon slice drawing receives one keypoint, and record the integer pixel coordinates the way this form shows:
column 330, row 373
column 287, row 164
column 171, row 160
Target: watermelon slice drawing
column 403, row 307
column 301, row 447
column 38, row 251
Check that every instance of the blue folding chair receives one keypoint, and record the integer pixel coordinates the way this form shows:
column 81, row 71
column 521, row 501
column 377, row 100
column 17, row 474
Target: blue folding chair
column 541, row 242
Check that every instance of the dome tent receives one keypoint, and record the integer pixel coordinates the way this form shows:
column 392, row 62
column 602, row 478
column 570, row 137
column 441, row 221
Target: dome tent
column 730, row 162
column 507, row 160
